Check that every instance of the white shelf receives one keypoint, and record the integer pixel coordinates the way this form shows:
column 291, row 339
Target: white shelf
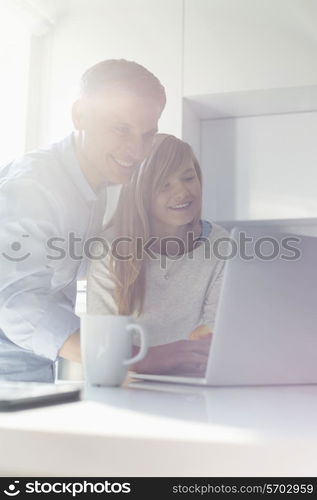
column 254, row 102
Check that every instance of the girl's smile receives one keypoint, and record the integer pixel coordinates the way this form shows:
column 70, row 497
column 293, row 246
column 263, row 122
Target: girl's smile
column 177, row 202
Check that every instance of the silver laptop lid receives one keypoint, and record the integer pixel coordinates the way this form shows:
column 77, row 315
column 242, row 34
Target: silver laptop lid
column 266, row 322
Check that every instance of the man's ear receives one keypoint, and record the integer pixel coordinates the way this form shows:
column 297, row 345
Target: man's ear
column 78, row 114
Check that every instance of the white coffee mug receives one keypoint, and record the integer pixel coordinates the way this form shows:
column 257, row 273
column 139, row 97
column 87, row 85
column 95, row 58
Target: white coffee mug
column 106, row 347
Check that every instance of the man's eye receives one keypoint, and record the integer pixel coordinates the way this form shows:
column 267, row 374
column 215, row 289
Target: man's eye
column 122, row 130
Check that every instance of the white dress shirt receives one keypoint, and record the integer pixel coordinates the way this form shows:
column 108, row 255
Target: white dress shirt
column 48, row 213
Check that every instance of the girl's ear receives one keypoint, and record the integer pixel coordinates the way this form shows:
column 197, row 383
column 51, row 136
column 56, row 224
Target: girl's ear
column 78, row 114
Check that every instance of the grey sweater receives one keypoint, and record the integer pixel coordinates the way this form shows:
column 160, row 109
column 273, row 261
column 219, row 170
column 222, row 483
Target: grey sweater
column 180, row 294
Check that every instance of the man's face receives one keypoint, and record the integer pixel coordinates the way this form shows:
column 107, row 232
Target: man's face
column 116, row 134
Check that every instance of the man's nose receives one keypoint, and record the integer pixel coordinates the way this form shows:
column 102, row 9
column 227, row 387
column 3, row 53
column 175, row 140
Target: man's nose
column 136, row 149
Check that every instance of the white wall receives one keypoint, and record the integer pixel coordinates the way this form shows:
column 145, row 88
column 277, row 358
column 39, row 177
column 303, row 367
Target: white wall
column 146, row 31
column 260, row 167
column 242, row 58
column 224, row 46
column 191, row 128
column 233, row 45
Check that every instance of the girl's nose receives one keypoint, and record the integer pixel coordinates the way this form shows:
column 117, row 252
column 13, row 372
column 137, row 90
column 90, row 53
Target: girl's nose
column 180, row 192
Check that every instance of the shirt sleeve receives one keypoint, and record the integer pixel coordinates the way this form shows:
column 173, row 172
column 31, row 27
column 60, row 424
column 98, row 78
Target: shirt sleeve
column 100, row 286
column 33, row 315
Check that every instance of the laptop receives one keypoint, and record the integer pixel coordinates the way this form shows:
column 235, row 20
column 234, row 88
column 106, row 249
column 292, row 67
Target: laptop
column 265, row 331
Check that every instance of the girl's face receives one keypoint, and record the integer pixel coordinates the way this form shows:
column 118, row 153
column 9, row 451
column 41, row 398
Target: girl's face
column 178, row 201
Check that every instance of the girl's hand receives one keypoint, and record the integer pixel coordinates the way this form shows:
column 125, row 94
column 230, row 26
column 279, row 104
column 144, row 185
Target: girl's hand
column 200, row 332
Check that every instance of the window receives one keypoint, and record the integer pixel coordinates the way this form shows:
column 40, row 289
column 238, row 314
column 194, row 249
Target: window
column 21, row 24
column 14, row 61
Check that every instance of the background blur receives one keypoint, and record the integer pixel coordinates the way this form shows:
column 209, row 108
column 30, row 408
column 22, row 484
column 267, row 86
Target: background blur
column 240, row 76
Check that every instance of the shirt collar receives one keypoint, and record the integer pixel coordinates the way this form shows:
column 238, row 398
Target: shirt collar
column 69, row 159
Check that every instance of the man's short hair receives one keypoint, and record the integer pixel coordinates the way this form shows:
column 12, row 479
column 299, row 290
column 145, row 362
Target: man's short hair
column 127, row 75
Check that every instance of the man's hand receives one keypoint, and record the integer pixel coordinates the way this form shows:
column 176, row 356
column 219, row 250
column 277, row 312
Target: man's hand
column 71, row 348
column 182, row 356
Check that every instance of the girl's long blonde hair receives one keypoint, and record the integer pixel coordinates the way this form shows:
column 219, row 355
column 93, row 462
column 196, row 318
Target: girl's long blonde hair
column 132, row 223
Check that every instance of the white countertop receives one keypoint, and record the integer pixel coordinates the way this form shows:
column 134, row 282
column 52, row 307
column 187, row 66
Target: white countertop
column 151, row 429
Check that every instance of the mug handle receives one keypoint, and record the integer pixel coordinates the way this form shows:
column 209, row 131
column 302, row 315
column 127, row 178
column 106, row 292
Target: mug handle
column 143, row 347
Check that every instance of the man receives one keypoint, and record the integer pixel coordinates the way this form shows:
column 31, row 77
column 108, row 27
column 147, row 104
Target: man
column 53, row 200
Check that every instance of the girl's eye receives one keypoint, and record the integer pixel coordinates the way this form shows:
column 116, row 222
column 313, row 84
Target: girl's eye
column 188, row 179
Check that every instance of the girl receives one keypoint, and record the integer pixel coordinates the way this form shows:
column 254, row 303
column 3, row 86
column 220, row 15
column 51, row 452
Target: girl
column 162, row 268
